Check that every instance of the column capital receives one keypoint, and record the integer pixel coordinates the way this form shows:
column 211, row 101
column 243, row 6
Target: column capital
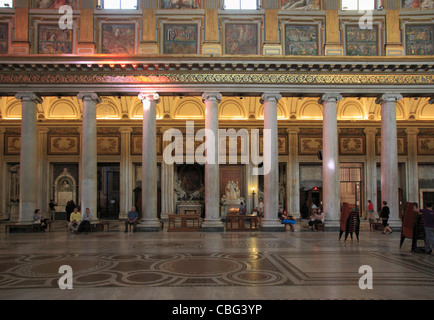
column 212, row 96
column 411, row 131
column 270, row 96
column 43, row 130
column 293, row 130
column 2, row 130
column 125, row 130
column 370, row 130
column 431, row 101
column 389, row 97
column 88, row 96
column 330, row 97
column 149, row 96
column 28, row 96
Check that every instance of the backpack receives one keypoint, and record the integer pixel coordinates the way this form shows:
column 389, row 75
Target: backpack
column 84, row 226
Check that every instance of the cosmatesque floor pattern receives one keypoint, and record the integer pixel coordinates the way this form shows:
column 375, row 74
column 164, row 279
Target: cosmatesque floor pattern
column 229, row 265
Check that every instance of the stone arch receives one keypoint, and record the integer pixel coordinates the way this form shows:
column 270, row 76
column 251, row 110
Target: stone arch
column 425, row 111
column 13, row 109
column 310, row 110
column 281, row 111
column 401, row 113
column 63, row 109
column 108, row 109
column 137, row 110
column 188, row 108
column 232, row 108
column 351, row 110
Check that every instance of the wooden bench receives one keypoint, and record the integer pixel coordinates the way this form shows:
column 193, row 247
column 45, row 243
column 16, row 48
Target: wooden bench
column 375, row 225
column 239, row 222
column 320, row 226
column 28, row 227
column 180, row 222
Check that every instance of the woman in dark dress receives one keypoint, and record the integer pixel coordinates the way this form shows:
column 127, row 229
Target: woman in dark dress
column 384, row 214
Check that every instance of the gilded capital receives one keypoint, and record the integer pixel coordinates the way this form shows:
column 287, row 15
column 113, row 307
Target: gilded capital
column 271, row 97
column 389, row 97
column 28, row 96
column 125, row 130
column 87, row 96
column 330, row 97
column 293, row 130
column 370, row 131
column 212, row 96
column 412, row 131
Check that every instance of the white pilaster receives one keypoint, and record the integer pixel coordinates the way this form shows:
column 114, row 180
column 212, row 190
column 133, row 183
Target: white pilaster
column 89, row 153
column 28, row 152
column 293, row 176
column 43, row 188
column 270, row 222
column 3, row 198
column 149, row 220
column 330, row 165
column 412, row 166
column 167, row 185
column 389, row 156
column 212, row 221
column 126, row 173
column 371, row 168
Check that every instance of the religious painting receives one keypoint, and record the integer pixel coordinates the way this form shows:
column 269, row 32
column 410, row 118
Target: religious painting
column 4, row 38
column 241, row 38
column 53, row 40
column 309, row 145
column 180, row 39
column 419, row 39
column 118, row 38
column 12, row 144
column 301, row 40
column 300, row 4
column 361, row 42
column 189, row 182
column 181, row 4
column 61, row 144
column 137, row 144
column 425, row 145
column 417, row 4
column 107, row 145
column 402, row 146
column 55, row 4
column 351, row 145
column 282, row 144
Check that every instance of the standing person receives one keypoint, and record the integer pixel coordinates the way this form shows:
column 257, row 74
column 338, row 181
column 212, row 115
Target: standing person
column 52, row 206
column 241, row 208
column 428, row 216
column 384, row 215
column 38, row 218
column 74, row 220
column 70, row 206
column 370, row 216
column 132, row 218
column 261, row 207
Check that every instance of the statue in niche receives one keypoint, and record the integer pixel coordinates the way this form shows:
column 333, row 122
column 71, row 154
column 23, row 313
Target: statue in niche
column 232, row 190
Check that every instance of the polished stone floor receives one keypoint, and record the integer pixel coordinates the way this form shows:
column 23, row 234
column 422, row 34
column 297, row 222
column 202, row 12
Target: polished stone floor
column 230, row 265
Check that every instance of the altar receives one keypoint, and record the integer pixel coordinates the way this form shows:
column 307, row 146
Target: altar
column 231, row 200
column 189, row 207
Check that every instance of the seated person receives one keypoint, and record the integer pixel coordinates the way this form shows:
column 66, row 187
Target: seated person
column 288, row 219
column 316, row 219
column 85, row 222
column 75, row 220
column 132, row 218
column 38, row 218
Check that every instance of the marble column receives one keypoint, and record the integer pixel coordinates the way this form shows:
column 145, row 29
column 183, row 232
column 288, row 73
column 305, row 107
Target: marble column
column 212, row 221
column 149, row 222
column 270, row 222
column 167, row 185
column 126, row 173
column 389, row 156
column 3, row 195
column 330, row 164
column 412, row 166
column 371, row 168
column 28, row 160
column 293, row 176
column 43, row 189
column 89, row 153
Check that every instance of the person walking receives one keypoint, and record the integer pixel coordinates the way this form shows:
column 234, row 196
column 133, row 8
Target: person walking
column 370, row 216
column 428, row 217
column 384, row 215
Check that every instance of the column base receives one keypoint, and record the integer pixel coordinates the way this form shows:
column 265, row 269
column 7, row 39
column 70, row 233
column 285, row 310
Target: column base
column 395, row 225
column 332, row 225
column 149, row 226
column 272, row 226
column 212, row 226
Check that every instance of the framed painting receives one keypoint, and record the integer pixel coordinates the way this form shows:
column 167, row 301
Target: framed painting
column 402, row 146
column 241, row 38
column 137, row 144
column 12, row 144
column 55, row 4
column 108, row 145
column 351, row 145
column 181, row 4
column 417, row 4
column 425, row 146
column 53, row 40
column 361, row 42
column 419, row 39
column 4, row 38
column 309, row 145
column 180, row 38
column 300, row 5
column 301, row 40
column 65, row 145
column 118, row 38
column 282, row 144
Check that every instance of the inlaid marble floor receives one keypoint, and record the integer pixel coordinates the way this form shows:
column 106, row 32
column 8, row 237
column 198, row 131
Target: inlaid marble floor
column 289, row 265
